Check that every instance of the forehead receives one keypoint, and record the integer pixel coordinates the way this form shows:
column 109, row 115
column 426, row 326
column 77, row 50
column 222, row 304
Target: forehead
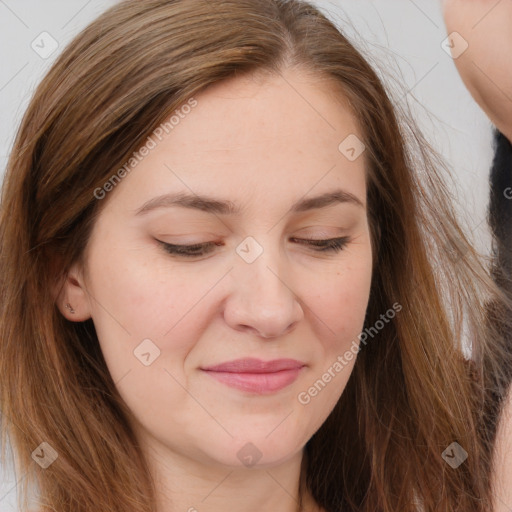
column 251, row 135
column 248, row 110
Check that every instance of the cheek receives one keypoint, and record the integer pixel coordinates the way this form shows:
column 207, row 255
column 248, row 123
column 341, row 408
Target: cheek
column 341, row 306
column 135, row 298
column 341, row 299
column 142, row 291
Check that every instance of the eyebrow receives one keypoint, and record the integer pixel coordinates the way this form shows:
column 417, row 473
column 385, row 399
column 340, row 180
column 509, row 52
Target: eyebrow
column 225, row 207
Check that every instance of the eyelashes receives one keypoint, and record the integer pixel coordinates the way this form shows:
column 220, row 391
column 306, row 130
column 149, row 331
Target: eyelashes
column 189, row 250
column 332, row 245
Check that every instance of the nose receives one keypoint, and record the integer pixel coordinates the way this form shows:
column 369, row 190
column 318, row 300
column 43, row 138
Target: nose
column 262, row 299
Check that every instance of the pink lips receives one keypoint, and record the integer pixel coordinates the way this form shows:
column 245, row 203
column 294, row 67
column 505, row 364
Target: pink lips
column 256, row 375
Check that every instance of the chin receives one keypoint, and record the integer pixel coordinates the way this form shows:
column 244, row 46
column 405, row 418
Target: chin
column 255, row 451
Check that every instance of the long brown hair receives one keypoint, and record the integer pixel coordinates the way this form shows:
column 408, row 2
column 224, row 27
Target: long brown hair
column 410, row 394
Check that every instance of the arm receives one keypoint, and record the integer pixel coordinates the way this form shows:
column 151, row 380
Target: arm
column 486, row 70
column 502, row 477
column 486, row 66
column 500, row 219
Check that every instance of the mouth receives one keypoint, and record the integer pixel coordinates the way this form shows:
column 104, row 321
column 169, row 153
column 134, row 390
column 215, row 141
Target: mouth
column 255, row 375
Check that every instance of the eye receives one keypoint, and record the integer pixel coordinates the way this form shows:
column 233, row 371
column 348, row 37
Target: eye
column 330, row 245
column 333, row 245
column 189, row 250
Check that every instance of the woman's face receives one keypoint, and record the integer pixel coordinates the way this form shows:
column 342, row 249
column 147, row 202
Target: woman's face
column 260, row 147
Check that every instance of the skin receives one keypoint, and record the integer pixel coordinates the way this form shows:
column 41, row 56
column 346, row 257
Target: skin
column 485, row 66
column 486, row 70
column 260, row 144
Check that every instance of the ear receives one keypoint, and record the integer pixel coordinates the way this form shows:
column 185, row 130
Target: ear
column 72, row 297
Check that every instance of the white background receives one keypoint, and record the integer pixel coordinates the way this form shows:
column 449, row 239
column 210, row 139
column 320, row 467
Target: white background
column 402, row 36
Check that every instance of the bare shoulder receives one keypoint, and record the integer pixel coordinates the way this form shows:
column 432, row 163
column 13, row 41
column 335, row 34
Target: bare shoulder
column 502, row 466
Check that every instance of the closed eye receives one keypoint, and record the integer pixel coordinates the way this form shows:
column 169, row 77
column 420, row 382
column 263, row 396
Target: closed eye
column 332, row 245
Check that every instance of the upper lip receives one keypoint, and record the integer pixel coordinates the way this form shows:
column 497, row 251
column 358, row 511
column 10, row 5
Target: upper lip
column 252, row 365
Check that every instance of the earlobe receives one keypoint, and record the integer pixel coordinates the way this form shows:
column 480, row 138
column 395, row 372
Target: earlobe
column 73, row 299
column 71, row 310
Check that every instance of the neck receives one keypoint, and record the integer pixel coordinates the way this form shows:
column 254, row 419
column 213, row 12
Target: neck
column 186, row 482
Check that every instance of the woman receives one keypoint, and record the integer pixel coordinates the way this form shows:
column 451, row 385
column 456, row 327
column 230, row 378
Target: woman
column 224, row 278
column 486, row 71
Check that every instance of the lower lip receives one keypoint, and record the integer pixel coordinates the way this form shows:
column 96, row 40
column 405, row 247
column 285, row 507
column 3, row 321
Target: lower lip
column 257, row 382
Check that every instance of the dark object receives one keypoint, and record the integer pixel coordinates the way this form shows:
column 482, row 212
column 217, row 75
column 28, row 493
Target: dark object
column 500, row 211
column 500, row 223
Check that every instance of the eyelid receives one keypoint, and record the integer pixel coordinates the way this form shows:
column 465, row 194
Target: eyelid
column 330, row 246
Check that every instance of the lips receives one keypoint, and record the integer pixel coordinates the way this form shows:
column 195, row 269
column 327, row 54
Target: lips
column 252, row 365
column 255, row 375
